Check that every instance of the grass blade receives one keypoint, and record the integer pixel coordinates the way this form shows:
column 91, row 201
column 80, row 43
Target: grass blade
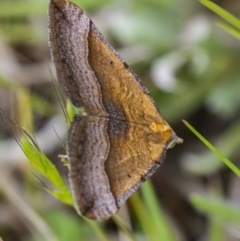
column 216, row 208
column 143, row 217
column 156, row 215
column 123, row 227
column 232, row 31
column 222, row 13
column 226, row 161
column 97, row 230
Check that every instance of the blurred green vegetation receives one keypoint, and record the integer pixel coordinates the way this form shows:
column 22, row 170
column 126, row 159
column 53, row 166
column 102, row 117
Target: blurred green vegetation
column 188, row 64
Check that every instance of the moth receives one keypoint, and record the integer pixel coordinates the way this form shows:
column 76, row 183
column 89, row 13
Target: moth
column 121, row 139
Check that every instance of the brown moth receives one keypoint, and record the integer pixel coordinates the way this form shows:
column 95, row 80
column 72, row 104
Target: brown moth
column 122, row 139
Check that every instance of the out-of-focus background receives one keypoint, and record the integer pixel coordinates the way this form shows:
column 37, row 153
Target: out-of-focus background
column 192, row 69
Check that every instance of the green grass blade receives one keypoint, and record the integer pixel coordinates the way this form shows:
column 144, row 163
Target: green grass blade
column 70, row 111
column 22, row 8
column 216, row 230
column 232, row 31
column 216, row 208
column 158, row 220
column 45, row 167
column 30, row 217
column 27, row 8
column 143, row 217
column 222, row 13
column 38, row 103
column 226, row 161
column 97, row 230
column 123, row 227
column 42, row 164
column 64, row 196
column 207, row 163
column 25, row 110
